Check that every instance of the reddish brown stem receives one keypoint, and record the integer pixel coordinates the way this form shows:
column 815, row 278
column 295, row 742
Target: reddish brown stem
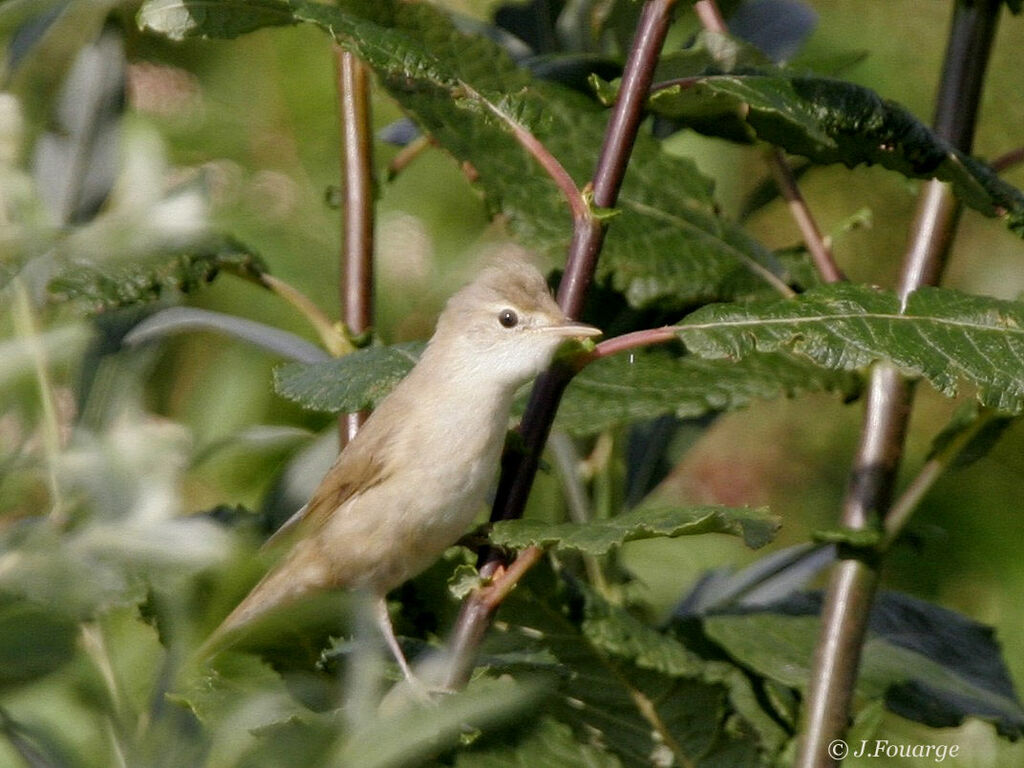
column 821, row 254
column 628, row 341
column 1008, row 160
column 540, row 153
column 357, row 209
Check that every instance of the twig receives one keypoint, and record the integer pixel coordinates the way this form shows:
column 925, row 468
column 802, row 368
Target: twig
column 577, row 501
column 821, row 254
column 855, row 578
column 577, row 204
column 627, row 341
column 403, row 159
column 519, row 469
column 1008, row 160
column 356, row 271
column 901, row 510
column 25, row 327
column 710, row 16
column 330, row 335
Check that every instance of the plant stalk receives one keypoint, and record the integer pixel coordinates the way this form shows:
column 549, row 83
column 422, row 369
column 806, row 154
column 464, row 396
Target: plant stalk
column 356, row 271
column 519, row 469
column 821, row 253
column 855, row 577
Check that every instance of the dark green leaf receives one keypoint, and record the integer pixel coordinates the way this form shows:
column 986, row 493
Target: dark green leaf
column 650, row 383
column 632, row 694
column 930, row 664
column 756, row 527
column 966, row 418
column 33, row 641
column 858, row 538
column 179, row 19
column 943, row 335
column 106, row 286
column 668, row 246
column 550, row 744
column 832, row 121
column 413, row 733
column 348, row 384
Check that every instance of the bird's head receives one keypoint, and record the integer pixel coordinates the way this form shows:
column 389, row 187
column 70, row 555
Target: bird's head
column 505, row 325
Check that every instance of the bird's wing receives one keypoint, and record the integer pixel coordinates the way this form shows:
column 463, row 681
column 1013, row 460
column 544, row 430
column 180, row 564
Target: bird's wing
column 360, row 466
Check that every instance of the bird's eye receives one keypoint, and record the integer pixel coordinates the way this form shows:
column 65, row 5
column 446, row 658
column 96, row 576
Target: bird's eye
column 508, row 318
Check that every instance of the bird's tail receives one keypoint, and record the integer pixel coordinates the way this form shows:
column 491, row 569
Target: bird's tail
column 281, row 587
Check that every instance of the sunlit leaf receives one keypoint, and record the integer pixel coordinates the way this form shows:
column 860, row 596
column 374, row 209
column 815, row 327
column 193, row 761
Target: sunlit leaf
column 596, row 537
column 833, row 121
column 649, row 383
column 942, row 335
column 350, row 383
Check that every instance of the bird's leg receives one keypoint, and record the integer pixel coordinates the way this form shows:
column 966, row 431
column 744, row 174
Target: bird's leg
column 384, row 622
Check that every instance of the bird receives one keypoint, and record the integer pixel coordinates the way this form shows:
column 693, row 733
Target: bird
column 418, row 471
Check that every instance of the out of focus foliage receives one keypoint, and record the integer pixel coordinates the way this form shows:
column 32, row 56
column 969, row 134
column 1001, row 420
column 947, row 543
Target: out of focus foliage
column 161, row 410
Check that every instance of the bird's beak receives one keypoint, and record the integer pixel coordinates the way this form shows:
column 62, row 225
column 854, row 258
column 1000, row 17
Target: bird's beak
column 572, row 330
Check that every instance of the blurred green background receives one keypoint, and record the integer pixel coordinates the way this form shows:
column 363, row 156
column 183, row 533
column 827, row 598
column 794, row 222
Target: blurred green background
column 253, row 123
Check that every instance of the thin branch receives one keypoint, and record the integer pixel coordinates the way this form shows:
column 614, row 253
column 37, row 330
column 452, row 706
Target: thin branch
column 577, row 204
column 566, row 459
column 710, row 16
column 330, row 335
column 407, row 154
column 821, row 254
column 626, row 342
column 356, row 271
column 25, row 326
column 1008, row 160
column 519, row 469
column 903, row 508
column 505, row 579
column 854, row 579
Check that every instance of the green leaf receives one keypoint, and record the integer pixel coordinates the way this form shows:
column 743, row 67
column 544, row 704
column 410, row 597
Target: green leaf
column 858, row 538
column 616, row 632
column 627, row 686
column 649, row 383
column 756, row 527
column 414, row 733
column 179, row 319
column 180, row 19
column 105, row 286
column 550, row 744
column 930, row 664
column 33, row 641
column 942, row 335
column 832, row 121
column 966, row 418
column 668, row 246
column 347, row 384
